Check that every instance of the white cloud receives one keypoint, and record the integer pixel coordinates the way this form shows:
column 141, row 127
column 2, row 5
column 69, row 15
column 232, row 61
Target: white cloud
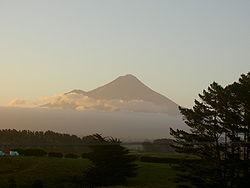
column 80, row 102
column 21, row 103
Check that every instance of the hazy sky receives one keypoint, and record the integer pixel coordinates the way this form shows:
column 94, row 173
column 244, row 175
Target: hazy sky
column 175, row 47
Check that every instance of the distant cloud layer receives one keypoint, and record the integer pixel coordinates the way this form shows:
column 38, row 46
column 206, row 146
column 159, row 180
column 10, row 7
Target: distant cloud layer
column 81, row 102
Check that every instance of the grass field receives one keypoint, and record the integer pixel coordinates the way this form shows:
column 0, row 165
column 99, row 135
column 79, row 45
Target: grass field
column 59, row 172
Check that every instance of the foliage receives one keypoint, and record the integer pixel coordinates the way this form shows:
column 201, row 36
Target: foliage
column 22, row 137
column 31, row 152
column 112, row 163
column 219, row 135
column 55, row 154
column 49, row 141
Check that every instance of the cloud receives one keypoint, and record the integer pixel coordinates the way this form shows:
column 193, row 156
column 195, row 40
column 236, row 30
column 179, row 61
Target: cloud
column 21, row 103
column 81, row 102
column 65, row 101
column 138, row 106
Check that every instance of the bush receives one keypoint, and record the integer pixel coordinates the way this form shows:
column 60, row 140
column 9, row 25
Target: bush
column 31, row 152
column 55, row 154
column 71, row 155
column 85, row 155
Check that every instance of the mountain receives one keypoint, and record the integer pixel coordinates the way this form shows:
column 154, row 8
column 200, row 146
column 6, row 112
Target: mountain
column 126, row 93
column 129, row 88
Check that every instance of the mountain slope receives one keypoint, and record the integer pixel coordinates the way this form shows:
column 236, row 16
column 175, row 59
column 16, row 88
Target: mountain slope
column 129, row 88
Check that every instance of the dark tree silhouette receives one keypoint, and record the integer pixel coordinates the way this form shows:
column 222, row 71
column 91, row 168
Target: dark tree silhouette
column 112, row 163
column 219, row 135
column 26, row 137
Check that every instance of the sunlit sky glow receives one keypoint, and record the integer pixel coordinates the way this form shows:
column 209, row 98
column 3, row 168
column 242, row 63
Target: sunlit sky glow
column 176, row 47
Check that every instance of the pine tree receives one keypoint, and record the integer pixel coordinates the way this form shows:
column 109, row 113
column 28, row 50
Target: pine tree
column 219, row 135
column 112, row 163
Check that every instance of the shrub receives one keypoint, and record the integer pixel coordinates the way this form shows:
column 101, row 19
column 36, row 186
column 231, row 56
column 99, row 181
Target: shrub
column 71, row 155
column 55, row 154
column 31, row 152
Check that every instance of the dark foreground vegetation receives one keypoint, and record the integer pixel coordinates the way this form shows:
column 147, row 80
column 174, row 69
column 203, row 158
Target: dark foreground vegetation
column 220, row 136
column 26, row 137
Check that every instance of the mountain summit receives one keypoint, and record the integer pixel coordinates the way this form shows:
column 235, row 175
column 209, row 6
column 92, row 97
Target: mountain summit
column 129, row 88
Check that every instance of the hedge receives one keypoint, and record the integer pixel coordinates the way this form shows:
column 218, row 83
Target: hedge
column 55, row 154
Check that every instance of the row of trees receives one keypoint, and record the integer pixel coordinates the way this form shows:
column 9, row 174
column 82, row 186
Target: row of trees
column 12, row 136
column 219, row 134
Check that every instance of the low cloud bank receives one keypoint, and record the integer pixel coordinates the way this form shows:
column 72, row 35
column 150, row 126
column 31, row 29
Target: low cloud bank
column 81, row 102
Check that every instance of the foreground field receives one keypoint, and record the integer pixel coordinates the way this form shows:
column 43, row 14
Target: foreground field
column 56, row 172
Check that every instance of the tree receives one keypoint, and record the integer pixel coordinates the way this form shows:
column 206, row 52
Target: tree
column 219, row 135
column 112, row 163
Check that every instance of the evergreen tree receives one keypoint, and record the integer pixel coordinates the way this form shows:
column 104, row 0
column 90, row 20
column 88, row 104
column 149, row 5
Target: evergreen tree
column 219, row 135
column 112, row 163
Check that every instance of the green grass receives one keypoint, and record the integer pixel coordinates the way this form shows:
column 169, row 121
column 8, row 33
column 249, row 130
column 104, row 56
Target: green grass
column 154, row 175
column 25, row 170
column 54, row 172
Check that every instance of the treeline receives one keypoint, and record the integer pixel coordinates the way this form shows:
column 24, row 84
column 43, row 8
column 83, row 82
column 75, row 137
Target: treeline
column 27, row 137
column 60, row 141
